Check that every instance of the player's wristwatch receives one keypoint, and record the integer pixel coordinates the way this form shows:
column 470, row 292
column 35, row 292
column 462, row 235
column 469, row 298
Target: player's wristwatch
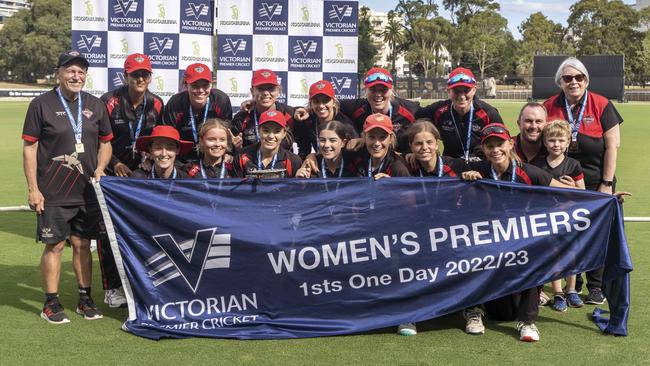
column 607, row 183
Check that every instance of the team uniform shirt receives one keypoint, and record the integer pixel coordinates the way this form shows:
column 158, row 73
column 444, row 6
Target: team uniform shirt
column 451, row 167
column 306, row 133
column 392, row 164
column 146, row 174
column 569, row 167
column 177, row 114
column 599, row 116
column 342, row 170
column 525, row 173
column 401, row 113
column 247, row 161
column 63, row 175
column 211, row 172
column 541, row 153
column 124, row 123
column 244, row 122
column 454, row 135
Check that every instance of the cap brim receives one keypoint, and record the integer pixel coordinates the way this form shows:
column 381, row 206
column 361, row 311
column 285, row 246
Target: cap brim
column 379, row 82
column 501, row 136
column 132, row 70
column 78, row 58
column 265, row 83
column 190, row 81
column 142, row 144
column 283, row 125
column 321, row 93
column 388, row 130
column 469, row 85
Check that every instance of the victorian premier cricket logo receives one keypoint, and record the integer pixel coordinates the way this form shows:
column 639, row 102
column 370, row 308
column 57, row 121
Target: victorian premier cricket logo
column 189, row 258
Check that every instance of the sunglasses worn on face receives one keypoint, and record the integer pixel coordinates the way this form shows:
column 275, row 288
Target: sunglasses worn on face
column 141, row 74
column 494, row 129
column 458, row 78
column 378, row 76
column 579, row 78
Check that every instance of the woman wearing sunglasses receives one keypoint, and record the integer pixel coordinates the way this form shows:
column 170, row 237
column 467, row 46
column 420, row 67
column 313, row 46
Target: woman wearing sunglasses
column 502, row 163
column 381, row 98
column 460, row 118
column 595, row 138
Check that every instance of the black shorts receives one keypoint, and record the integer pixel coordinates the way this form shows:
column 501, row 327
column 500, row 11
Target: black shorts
column 57, row 223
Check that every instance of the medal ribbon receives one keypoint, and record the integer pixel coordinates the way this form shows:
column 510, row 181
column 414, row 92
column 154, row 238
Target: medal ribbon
column 440, row 166
column 469, row 130
column 193, row 123
column 77, row 126
column 575, row 124
column 323, row 168
column 513, row 164
column 260, row 165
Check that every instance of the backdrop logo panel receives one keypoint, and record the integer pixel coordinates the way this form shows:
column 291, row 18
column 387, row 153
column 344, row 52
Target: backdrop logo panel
column 90, row 16
column 125, row 15
column 305, row 18
column 270, row 17
column 161, row 16
column 196, row 17
column 345, row 85
column 121, row 44
column 235, row 52
column 116, row 78
column 194, row 49
column 343, row 57
column 164, row 82
column 268, row 53
column 162, row 49
column 96, row 80
column 92, row 45
column 340, row 18
column 301, row 81
column 235, row 17
column 306, row 53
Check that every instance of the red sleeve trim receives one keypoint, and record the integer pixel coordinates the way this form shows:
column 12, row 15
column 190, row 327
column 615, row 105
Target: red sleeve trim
column 578, row 177
column 522, row 174
column 287, row 165
column 29, row 138
column 157, row 105
column 106, row 138
column 358, row 113
column 406, row 114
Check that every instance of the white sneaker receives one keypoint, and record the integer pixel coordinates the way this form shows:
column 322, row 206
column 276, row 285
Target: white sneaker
column 528, row 332
column 115, row 298
column 407, row 329
column 474, row 323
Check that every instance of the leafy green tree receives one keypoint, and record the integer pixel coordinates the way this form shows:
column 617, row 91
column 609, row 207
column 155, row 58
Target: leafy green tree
column 484, row 39
column 394, row 37
column 32, row 39
column 462, row 10
column 367, row 52
column 608, row 28
column 540, row 36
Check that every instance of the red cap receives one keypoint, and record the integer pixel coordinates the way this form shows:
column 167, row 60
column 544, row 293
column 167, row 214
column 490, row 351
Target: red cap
column 378, row 120
column 321, row 87
column 461, row 76
column 378, row 76
column 273, row 115
column 137, row 61
column 196, row 72
column 264, row 77
column 142, row 144
column 495, row 130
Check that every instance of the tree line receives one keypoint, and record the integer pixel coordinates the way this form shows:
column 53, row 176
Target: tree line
column 476, row 35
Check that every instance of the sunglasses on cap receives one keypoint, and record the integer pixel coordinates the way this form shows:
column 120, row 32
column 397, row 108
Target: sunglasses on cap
column 461, row 78
column 140, row 74
column 494, row 130
column 378, row 76
column 579, row 78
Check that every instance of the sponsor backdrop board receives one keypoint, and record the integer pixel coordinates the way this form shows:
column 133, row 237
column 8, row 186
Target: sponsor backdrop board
column 302, row 40
column 173, row 33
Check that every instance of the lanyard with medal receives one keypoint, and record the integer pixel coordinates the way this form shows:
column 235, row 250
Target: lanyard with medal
column 381, row 165
column 513, row 164
column 469, row 130
column 260, row 165
column 222, row 175
column 193, row 123
column 323, row 167
column 77, row 126
column 440, row 168
column 257, row 126
column 316, row 148
column 138, row 128
column 153, row 173
column 575, row 123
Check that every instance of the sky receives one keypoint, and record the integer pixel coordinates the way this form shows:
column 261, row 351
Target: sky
column 516, row 11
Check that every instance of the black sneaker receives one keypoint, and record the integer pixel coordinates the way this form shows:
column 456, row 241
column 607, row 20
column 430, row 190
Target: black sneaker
column 88, row 309
column 595, row 297
column 53, row 313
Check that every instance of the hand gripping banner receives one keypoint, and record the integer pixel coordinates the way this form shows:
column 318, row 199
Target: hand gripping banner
column 306, row 258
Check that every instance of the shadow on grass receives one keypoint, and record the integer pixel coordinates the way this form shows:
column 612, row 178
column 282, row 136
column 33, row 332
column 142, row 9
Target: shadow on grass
column 18, row 223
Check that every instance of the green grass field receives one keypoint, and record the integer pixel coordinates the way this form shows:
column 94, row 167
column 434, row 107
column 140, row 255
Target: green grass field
column 566, row 337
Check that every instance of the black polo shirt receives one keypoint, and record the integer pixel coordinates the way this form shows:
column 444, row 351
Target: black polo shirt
column 177, row 114
column 247, row 161
column 211, row 172
column 541, row 153
column 454, row 136
column 305, row 133
column 393, row 164
column 63, row 175
column 122, row 114
column 344, row 172
column 524, row 173
column 569, row 166
column 402, row 115
column 146, row 174
column 451, row 167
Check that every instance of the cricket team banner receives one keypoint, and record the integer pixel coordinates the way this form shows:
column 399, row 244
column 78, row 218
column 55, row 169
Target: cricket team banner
column 173, row 33
column 302, row 40
column 305, row 258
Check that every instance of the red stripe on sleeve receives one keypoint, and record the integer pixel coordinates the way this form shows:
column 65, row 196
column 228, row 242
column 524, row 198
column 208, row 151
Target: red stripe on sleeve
column 29, row 138
column 108, row 137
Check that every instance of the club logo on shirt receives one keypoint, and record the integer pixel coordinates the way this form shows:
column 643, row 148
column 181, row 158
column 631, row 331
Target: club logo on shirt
column 588, row 119
column 88, row 113
column 189, row 258
column 70, row 161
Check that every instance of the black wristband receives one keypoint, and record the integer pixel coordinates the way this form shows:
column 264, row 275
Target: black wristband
column 607, row 183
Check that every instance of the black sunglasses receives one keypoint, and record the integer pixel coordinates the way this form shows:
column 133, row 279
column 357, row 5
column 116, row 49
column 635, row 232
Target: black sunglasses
column 494, row 129
column 140, row 74
column 579, row 78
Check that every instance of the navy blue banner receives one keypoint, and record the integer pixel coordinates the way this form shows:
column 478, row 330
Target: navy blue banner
column 306, row 258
